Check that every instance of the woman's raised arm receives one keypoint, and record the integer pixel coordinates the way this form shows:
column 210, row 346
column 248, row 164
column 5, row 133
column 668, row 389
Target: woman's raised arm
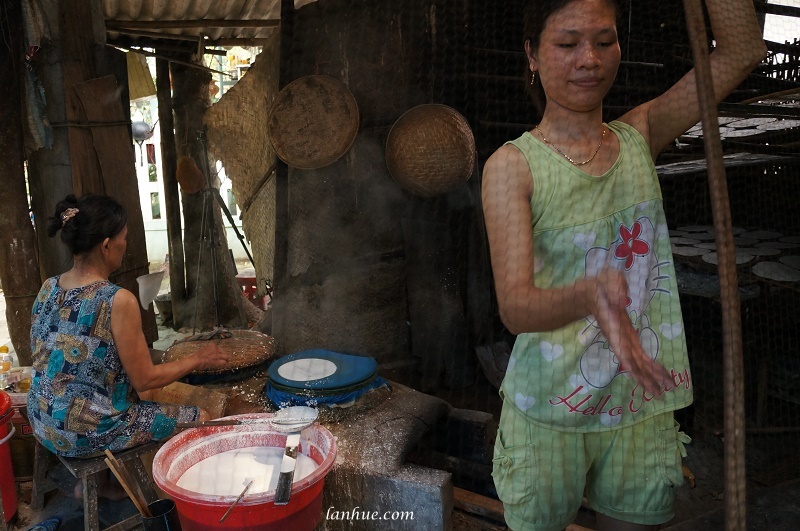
column 739, row 48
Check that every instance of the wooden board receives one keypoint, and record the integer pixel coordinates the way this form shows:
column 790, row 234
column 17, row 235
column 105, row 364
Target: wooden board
column 113, row 146
column 477, row 504
column 190, row 395
column 78, row 64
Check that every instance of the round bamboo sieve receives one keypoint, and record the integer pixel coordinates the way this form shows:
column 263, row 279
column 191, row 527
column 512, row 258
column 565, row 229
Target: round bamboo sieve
column 430, row 150
column 313, row 122
column 247, row 348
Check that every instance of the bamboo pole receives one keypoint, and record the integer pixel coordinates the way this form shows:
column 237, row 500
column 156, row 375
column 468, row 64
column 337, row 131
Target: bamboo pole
column 733, row 365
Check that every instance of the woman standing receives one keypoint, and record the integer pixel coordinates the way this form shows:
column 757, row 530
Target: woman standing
column 91, row 363
column 584, row 275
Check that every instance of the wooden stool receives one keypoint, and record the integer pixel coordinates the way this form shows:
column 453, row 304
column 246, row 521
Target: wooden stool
column 87, row 470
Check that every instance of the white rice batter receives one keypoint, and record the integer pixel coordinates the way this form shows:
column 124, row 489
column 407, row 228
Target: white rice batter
column 227, row 473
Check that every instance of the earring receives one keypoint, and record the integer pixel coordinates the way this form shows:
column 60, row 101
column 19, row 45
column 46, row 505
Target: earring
column 533, row 77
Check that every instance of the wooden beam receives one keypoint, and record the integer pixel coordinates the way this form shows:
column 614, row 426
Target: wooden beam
column 163, row 46
column 178, row 61
column 740, row 110
column 774, row 95
column 774, row 9
column 155, row 35
column 240, row 41
column 184, row 24
column 258, row 187
column 477, row 504
column 782, row 47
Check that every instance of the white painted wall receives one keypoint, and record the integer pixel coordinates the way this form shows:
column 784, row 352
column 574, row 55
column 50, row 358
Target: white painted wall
column 153, row 192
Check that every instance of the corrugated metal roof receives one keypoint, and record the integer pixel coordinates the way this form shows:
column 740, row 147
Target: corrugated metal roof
column 217, row 20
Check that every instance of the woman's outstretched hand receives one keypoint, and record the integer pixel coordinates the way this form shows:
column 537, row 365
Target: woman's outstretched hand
column 211, row 356
column 608, row 298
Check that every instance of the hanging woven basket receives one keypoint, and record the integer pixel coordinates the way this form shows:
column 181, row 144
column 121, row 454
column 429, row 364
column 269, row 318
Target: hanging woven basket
column 430, row 150
column 313, row 122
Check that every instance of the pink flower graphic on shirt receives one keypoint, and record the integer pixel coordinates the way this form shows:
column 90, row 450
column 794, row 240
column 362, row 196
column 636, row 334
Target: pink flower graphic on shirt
column 631, row 244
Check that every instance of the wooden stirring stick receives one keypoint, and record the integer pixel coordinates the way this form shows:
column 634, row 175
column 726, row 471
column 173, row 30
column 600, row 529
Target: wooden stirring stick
column 118, row 469
column 201, row 423
column 122, row 469
column 224, row 516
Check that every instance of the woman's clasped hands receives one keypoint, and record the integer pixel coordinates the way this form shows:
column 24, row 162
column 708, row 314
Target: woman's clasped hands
column 607, row 296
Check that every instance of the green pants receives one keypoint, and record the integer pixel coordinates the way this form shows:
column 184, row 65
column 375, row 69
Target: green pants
column 630, row 474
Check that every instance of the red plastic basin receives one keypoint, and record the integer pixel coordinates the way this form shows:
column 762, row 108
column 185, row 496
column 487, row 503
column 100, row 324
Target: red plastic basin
column 200, row 512
column 7, row 484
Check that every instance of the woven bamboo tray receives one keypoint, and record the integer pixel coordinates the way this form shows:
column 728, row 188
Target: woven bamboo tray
column 430, row 150
column 313, row 122
column 249, row 350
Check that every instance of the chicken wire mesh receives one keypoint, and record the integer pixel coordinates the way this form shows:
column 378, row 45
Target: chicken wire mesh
column 435, row 323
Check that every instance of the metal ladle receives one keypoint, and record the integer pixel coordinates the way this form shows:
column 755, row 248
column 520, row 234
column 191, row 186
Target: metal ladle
column 141, row 131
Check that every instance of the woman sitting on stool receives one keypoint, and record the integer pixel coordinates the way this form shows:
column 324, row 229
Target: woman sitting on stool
column 92, row 368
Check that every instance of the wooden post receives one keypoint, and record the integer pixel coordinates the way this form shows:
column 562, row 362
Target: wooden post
column 280, row 265
column 213, row 296
column 19, row 268
column 169, row 166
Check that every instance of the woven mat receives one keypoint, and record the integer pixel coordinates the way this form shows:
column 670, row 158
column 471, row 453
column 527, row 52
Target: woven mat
column 238, row 137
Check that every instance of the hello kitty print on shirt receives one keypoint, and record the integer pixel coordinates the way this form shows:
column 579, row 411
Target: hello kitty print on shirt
column 633, row 253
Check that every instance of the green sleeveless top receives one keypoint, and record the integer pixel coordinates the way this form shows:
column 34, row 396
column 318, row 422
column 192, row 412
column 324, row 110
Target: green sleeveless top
column 569, row 379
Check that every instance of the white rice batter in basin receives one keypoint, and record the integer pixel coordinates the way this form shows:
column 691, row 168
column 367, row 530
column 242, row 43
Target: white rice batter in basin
column 227, row 473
